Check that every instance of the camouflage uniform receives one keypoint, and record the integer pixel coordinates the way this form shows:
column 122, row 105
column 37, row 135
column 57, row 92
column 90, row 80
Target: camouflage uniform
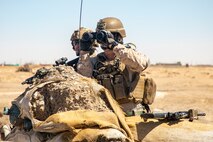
column 135, row 61
column 131, row 65
column 75, row 40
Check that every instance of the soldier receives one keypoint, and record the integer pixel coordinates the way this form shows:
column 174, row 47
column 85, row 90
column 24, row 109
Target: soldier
column 118, row 68
column 75, row 40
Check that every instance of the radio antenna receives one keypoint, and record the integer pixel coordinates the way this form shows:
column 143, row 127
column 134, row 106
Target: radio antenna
column 80, row 21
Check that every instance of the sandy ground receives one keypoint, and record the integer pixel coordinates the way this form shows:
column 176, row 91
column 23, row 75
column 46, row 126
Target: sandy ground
column 179, row 88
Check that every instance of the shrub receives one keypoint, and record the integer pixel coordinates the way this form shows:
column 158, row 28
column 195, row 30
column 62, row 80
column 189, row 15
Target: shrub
column 24, row 68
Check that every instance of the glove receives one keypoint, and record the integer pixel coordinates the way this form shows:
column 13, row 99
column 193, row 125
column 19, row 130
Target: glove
column 106, row 38
column 112, row 45
column 85, row 45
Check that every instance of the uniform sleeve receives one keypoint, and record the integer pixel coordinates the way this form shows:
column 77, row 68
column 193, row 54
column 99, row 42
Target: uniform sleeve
column 134, row 60
column 84, row 66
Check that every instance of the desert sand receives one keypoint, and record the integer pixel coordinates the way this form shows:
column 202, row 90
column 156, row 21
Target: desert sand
column 178, row 89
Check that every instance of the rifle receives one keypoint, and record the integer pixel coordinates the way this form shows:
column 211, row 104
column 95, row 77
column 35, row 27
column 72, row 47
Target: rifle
column 40, row 73
column 63, row 61
column 191, row 114
column 73, row 63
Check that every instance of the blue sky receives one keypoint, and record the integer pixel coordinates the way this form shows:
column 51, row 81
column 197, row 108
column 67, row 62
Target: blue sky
column 165, row 30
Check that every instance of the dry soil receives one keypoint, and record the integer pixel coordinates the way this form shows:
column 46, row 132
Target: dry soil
column 178, row 89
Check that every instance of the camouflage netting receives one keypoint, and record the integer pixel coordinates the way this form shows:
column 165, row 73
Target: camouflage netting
column 60, row 100
column 70, row 91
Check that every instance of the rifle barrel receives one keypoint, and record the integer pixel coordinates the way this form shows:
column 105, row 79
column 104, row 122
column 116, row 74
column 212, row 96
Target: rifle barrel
column 170, row 115
column 72, row 62
column 201, row 114
column 154, row 115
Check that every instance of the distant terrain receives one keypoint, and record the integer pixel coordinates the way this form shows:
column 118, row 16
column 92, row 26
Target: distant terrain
column 179, row 88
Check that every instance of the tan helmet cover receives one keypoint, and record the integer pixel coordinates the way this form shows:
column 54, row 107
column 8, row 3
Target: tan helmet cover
column 111, row 24
column 75, row 35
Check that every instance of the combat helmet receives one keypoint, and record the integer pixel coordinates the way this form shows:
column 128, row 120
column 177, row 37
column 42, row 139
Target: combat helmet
column 78, row 35
column 111, row 24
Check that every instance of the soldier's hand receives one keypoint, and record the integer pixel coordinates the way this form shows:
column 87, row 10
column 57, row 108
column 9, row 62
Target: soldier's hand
column 85, row 45
column 110, row 44
column 106, row 39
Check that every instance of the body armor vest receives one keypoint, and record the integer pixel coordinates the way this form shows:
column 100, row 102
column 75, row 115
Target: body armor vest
column 124, row 84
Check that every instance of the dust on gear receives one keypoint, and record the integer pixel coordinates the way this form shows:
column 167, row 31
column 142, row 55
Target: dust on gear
column 69, row 91
column 63, row 100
